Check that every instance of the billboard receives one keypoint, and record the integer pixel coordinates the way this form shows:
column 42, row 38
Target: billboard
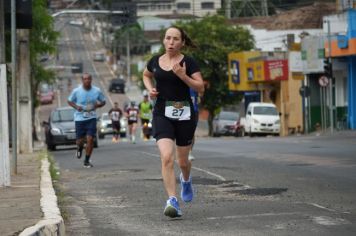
column 313, row 54
column 276, row 70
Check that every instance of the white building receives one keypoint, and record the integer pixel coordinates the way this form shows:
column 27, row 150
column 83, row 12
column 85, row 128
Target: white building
column 170, row 7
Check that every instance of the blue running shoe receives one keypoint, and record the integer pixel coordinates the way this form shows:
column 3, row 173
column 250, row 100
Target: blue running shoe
column 186, row 192
column 172, row 208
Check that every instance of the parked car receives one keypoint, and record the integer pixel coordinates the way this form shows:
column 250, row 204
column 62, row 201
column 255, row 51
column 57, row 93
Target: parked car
column 99, row 56
column 224, row 123
column 46, row 94
column 117, row 86
column 262, row 118
column 60, row 128
column 105, row 126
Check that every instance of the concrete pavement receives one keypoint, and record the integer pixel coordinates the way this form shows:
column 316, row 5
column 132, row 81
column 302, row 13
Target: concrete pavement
column 29, row 205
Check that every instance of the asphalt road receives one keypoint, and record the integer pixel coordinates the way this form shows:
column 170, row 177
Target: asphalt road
column 249, row 186
column 244, row 186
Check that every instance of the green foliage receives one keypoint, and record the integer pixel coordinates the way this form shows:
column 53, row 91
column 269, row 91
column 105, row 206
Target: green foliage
column 215, row 38
column 43, row 40
column 133, row 33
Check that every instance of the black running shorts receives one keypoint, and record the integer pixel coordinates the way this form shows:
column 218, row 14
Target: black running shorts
column 180, row 131
column 116, row 126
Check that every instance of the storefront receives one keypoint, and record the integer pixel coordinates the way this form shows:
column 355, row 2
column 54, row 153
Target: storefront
column 266, row 79
column 343, row 54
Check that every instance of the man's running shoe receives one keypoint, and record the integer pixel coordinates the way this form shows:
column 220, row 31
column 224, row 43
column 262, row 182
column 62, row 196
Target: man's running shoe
column 186, row 192
column 172, row 208
column 191, row 157
column 79, row 152
column 87, row 164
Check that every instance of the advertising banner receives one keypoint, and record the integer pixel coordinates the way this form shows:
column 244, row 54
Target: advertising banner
column 276, row 70
column 313, row 54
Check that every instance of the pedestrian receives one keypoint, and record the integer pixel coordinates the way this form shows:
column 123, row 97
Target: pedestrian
column 145, row 108
column 174, row 119
column 115, row 114
column 85, row 99
column 132, row 114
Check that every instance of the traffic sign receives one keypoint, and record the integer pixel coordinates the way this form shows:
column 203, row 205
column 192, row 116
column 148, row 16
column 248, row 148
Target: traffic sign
column 323, row 81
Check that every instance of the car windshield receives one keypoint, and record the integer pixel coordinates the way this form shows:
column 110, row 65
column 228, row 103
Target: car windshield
column 228, row 115
column 45, row 88
column 63, row 115
column 106, row 117
column 270, row 111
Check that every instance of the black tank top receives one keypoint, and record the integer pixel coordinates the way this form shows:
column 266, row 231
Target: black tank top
column 168, row 84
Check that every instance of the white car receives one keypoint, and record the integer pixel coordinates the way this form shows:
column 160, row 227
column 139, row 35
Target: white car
column 262, row 118
column 104, row 126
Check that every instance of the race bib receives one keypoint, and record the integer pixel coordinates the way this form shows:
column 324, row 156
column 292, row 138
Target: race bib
column 177, row 110
column 88, row 114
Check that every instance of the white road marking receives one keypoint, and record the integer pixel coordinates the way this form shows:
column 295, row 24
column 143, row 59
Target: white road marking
column 210, row 173
column 254, row 215
column 326, row 220
column 321, row 207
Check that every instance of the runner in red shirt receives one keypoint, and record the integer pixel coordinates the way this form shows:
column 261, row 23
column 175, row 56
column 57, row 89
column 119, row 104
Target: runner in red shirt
column 132, row 114
column 115, row 113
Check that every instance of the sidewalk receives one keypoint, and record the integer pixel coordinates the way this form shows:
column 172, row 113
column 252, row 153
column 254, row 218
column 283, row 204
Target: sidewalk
column 30, row 202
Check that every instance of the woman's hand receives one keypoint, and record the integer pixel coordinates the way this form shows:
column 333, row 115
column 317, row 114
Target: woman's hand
column 153, row 93
column 179, row 70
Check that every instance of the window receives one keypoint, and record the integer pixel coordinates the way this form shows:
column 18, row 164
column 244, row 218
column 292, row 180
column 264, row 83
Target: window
column 265, row 111
column 207, row 5
column 183, row 5
column 63, row 115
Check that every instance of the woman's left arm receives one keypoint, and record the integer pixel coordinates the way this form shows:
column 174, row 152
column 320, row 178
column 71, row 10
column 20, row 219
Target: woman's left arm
column 195, row 81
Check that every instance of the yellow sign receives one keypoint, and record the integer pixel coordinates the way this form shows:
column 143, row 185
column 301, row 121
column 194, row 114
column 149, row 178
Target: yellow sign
column 237, row 70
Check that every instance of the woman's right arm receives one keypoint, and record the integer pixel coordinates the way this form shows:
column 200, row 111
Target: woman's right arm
column 147, row 81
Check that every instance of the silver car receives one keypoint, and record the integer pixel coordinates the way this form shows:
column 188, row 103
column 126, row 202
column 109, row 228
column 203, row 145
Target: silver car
column 105, row 126
column 224, row 123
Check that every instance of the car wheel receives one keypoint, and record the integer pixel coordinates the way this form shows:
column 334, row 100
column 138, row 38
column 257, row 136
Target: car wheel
column 250, row 133
column 101, row 136
column 51, row 147
column 96, row 145
column 122, row 135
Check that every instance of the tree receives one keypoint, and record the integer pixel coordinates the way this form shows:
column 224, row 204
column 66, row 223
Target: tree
column 133, row 33
column 215, row 38
column 43, row 40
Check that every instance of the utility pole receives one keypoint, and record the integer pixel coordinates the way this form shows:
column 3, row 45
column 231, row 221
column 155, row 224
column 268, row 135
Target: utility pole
column 2, row 33
column 228, row 9
column 25, row 100
column 331, row 111
column 128, row 60
column 13, row 88
column 5, row 175
column 264, row 7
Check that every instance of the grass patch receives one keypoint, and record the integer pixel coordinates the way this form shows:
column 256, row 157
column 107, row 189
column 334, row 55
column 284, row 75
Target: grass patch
column 55, row 175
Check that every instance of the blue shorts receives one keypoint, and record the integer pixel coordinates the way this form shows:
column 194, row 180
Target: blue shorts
column 85, row 128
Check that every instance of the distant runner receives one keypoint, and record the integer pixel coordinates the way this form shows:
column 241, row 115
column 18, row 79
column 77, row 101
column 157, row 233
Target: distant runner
column 132, row 114
column 86, row 99
column 145, row 108
column 115, row 113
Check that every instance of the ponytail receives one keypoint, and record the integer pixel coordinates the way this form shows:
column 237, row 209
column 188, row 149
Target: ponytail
column 187, row 40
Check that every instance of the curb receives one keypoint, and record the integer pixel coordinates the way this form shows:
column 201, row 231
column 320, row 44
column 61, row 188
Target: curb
column 53, row 223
